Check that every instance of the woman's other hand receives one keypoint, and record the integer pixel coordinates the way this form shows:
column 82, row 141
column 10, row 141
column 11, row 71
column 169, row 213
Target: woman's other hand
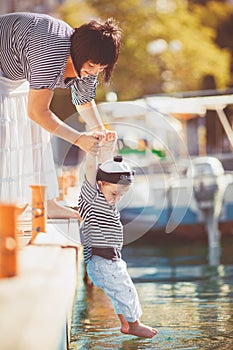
column 86, row 141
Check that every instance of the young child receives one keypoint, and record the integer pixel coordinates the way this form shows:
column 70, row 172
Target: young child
column 103, row 234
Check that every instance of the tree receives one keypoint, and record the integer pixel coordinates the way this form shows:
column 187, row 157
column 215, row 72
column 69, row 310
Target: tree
column 190, row 50
column 221, row 20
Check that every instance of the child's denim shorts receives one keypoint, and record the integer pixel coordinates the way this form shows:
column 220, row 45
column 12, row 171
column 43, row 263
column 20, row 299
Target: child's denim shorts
column 113, row 278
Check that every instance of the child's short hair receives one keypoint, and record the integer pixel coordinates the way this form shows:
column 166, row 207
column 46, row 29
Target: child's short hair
column 115, row 171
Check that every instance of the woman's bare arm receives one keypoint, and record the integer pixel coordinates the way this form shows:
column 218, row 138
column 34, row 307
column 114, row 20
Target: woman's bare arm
column 90, row 114
column 39, row 111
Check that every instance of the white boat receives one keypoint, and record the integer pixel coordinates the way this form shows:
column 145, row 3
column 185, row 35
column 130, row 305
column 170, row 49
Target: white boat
column 173, row 191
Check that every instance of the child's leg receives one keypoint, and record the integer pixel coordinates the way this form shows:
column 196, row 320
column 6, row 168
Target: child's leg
column 124, row 324
column 136, row 328
column 86, row 278
column 114, row 279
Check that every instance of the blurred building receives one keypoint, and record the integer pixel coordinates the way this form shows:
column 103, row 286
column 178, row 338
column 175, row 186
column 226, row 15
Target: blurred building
column 41, row 6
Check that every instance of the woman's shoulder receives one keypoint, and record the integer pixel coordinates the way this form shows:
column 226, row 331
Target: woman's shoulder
column 42, row 22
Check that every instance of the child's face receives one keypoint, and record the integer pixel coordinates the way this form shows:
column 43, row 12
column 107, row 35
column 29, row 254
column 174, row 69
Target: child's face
column 112, row 192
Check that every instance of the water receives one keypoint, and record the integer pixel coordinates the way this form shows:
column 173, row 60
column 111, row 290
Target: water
column 188, row 300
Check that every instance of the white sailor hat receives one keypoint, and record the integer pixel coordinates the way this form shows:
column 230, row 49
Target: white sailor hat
column 115, row 171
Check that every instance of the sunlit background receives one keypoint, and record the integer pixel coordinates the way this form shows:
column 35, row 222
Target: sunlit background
column 170, row 48
column 168, row 45
column 173, row 47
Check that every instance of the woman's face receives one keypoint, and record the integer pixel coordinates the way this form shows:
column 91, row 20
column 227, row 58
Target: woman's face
column 91, row 68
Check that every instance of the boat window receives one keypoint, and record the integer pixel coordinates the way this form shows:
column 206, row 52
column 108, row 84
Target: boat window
column 203, row 169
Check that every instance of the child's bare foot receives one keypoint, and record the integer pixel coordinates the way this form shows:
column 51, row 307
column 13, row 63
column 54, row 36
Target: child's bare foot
column 140, row 330
column 125, row 329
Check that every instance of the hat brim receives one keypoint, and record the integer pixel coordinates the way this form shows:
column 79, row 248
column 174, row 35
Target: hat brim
column 124, row 178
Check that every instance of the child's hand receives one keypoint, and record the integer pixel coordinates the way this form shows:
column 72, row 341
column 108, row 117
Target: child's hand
column 109, row 140
column 110, row 135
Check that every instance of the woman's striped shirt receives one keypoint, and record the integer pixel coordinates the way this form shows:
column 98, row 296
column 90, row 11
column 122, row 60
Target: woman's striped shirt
column 102, row 227
column 36, row 47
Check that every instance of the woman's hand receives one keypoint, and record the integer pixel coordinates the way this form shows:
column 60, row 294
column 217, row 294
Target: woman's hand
column 86, row 141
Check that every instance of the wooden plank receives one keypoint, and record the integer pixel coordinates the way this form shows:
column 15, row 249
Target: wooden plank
column 66, row 236
column 62, row 232
column 35, row 304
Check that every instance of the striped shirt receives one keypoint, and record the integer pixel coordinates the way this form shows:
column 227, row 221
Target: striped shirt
column 36, row 47
column 102, row 227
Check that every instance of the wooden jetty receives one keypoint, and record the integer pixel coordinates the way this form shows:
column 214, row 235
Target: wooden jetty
column 36, row 304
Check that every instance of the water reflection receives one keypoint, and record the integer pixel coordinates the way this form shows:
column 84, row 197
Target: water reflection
column 214, row 255
column 189, row 300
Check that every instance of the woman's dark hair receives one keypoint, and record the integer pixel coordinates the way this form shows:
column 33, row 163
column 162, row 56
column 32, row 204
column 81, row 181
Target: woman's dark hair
column 96, row 42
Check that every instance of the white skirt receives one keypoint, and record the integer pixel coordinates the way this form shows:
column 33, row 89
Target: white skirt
column 26, row 155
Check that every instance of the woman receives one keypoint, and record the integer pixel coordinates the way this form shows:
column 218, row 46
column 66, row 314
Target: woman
column 47, row 53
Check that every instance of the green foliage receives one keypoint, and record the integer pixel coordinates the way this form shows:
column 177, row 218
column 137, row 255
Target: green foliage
column 178, row 68
column 77, row 12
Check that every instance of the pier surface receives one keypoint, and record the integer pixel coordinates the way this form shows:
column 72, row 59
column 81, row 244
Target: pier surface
column 36, row 304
